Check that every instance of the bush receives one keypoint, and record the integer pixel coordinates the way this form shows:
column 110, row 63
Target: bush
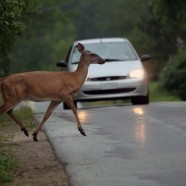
column 173, row 76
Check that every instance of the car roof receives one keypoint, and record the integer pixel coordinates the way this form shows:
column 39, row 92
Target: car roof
column 100, row 40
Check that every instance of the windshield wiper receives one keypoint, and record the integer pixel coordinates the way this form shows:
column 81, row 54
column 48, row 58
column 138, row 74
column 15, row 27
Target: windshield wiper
column 75, row 62
column 112, row 59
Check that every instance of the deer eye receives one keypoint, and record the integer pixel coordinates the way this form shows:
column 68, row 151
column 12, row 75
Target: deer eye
column 92, row 54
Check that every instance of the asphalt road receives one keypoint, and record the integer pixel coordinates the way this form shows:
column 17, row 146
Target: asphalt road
column 125, row 145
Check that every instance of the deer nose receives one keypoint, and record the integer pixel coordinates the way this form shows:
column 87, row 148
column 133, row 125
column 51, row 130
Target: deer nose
column 102, row 61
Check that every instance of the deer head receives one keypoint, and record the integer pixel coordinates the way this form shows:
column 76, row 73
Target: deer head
column 93, row 58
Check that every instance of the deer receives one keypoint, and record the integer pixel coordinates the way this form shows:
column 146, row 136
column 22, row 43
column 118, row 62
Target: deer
column 40, row 86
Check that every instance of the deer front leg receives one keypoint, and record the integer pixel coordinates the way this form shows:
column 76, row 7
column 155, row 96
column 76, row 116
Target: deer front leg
column 50, row 109
column 11, row 114
column 69, row 101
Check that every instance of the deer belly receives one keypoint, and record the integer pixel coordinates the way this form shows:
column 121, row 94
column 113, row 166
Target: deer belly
column 40, row 99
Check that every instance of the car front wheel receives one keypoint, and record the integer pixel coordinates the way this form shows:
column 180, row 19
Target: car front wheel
column 140, row 100
column 66, row 107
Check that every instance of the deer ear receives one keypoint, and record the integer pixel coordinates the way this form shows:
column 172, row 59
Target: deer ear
column 80, row 47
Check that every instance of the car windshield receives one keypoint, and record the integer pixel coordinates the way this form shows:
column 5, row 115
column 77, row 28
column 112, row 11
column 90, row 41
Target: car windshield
column 110, row 51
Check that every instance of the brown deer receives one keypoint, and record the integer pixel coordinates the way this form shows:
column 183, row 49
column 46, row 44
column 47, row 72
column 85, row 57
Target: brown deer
column 43, row 86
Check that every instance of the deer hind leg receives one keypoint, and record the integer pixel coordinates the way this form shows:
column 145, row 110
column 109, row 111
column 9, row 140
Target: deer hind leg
column 2, row 109
column 5, row 107
column 11, row 115
column 69, row 101
column 8, row 108
column 12, row 97
column 50, row 109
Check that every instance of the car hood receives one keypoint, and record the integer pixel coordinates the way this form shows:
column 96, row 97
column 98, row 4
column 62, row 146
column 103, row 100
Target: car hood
column 121, row 68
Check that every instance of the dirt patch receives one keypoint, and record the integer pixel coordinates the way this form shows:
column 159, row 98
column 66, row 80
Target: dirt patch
column 37, row 164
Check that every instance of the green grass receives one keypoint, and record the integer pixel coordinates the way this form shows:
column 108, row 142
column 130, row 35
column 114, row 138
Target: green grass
column 24, row 113
column 7, row 161
column 157, row 94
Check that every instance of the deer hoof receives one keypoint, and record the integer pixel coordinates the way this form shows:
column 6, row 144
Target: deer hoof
column 35, row 136
column 25, row 131
column 82, row 131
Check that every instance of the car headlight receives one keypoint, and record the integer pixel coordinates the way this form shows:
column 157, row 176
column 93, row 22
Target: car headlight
column 137, row 73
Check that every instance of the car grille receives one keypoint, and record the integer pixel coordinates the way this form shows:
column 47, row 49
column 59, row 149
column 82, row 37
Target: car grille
column 109, row 91
column 108, row 78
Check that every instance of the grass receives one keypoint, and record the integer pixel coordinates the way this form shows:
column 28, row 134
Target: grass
column 158, row 95
column 24, row 113
column 7, row 161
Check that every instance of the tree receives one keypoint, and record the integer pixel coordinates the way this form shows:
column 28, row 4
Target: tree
column 13, row 14
column 172, row 14
column 46, row 41
column 173, row 75
column 165, row 26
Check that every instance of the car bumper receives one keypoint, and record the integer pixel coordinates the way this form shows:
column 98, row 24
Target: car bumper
column 112, row 89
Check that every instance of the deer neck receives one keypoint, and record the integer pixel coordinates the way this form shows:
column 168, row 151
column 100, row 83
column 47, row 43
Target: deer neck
column 82, row 71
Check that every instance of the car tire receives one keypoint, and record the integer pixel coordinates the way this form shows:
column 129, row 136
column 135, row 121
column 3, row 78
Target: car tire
column 66, row 107
column 140, row 100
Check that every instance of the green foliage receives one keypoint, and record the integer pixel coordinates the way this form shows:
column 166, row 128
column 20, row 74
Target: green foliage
column 173, row 76
column 7, row 163
column 171, row 12
column 46, row 41
column 166, row 28
column 24, row 113
column 58, row 23
column 12, row 24
column 156, row 27
column 157, row 93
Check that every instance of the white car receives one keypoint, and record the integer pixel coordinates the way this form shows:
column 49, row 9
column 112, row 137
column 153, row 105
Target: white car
column 121, row 77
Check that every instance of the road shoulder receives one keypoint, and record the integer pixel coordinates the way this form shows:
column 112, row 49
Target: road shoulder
column 37, row 164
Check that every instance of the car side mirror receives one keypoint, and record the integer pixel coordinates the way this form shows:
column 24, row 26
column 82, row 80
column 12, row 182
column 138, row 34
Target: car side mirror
column 145, row 57
column 61, row 64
